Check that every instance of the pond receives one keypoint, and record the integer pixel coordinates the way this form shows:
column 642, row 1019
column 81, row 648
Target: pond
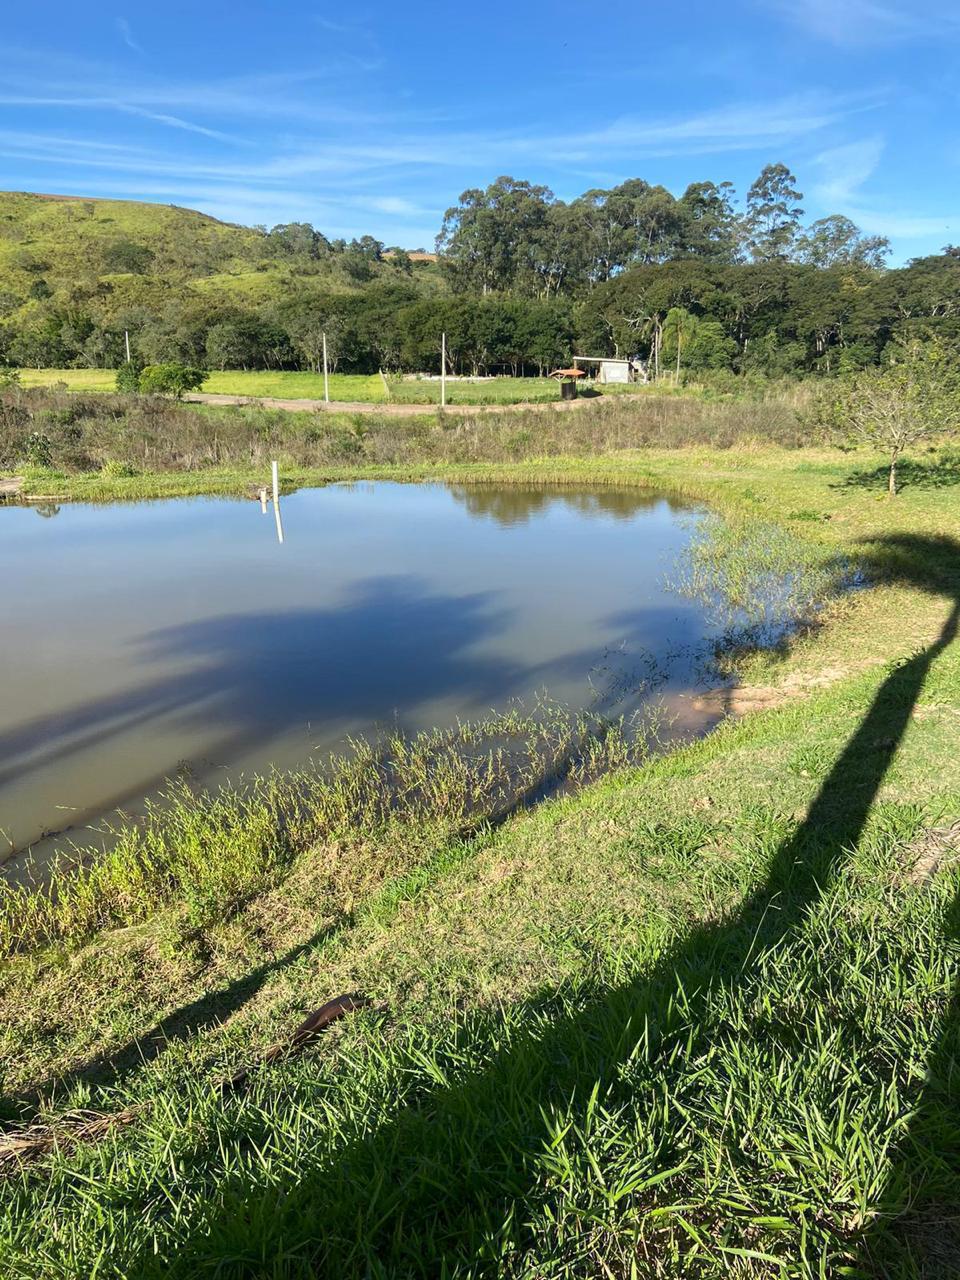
column 144, row 640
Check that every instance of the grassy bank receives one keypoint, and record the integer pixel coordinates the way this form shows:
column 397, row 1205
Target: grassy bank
column 698, row 1020
column 208, row 854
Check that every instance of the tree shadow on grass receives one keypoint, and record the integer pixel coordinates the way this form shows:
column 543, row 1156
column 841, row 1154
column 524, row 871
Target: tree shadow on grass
column 429, row 1191
column 940, row 473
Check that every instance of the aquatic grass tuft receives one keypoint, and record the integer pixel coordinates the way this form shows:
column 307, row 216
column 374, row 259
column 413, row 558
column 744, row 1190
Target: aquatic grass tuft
column 206, row 849
column 209, row 851
column 757, row 579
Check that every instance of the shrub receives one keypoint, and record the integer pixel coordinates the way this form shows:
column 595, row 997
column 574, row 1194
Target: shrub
column 171, row 379
column 114, row 469
column 38, row 450
column 128, row 377
column 127, row 256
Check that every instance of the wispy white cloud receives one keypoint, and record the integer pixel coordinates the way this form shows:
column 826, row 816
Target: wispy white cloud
column 312, row 96
column 328, row 95
column 126, row 33
column 842, row 173
column 733, row 127
column 397, row 205
column 338, row 28
column 373, row 150
column 175, row 122
column 307, row 130
column 872, row 22
column 936, row 228
column 20, row 138
column 125, row 108
column 626, row 140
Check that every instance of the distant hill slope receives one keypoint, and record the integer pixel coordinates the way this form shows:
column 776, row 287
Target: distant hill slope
column 68, row 247
column 63, row 239
column 77, row 276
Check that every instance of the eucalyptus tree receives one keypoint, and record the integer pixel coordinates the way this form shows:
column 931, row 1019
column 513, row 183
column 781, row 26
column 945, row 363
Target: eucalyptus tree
column 711, row 228
column 489, row 238
column 773, row 214
column 560, row 257
column 836, row 241
column 633, row 223
column 656, row 224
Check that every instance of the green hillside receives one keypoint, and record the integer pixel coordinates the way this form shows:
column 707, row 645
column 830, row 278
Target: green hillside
column 63, row 239
column 70, row 240
column 75, row 273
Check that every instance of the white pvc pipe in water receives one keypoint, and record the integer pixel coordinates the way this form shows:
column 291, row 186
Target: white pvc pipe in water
column 276, row 500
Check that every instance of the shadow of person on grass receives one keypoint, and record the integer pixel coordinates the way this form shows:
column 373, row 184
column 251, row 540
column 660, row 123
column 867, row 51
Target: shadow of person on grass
column 428, row 1191
column 205, row 1013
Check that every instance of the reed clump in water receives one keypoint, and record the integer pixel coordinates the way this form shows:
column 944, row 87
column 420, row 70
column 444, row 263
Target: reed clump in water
column 758, row 582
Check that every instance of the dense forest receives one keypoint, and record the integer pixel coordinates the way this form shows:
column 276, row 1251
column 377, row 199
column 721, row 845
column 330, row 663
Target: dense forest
column 520, row 282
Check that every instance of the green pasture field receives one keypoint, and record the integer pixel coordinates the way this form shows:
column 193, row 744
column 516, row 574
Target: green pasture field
column 364, row 388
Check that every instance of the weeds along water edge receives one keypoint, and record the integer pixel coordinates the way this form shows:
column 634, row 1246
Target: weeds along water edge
column 758, row 581
column 210, row 850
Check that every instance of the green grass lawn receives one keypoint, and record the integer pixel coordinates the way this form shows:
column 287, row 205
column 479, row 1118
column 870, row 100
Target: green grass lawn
column 368, row 389
column 75, row 379
column 700, row 1020
column 294, row 386
column 297, row 386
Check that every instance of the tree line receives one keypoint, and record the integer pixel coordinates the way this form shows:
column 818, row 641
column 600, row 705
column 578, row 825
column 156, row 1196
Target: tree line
column 524, row 281
column 517, row 236
column 773, row 319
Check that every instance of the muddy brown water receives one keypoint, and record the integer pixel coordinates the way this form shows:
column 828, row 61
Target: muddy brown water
column 142, row 640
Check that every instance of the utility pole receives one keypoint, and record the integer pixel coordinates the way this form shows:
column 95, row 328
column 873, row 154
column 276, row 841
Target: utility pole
column 326, row 378
column 443, row 371
column 126, row 338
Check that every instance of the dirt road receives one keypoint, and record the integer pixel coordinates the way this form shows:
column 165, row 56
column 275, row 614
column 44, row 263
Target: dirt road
column 389, row 410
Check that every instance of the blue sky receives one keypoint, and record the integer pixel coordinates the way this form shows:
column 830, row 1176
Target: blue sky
column 374, row 117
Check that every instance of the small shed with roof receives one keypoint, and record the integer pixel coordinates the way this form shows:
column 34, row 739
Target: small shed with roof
column 609, row 369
